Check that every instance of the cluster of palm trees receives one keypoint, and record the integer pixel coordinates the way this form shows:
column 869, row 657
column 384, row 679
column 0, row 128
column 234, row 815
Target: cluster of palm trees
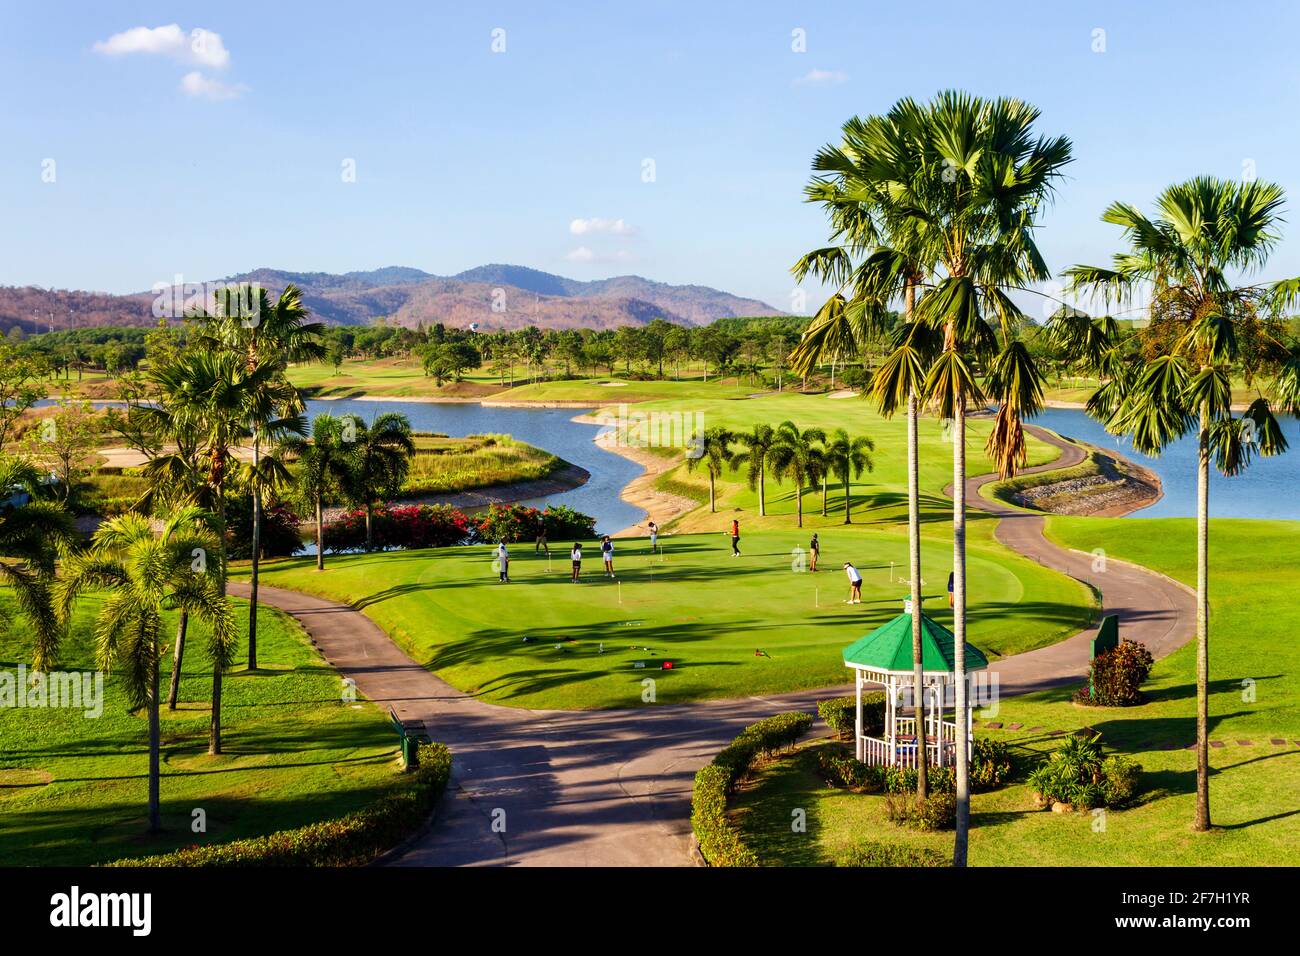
column 935, row 204
column 808, row 457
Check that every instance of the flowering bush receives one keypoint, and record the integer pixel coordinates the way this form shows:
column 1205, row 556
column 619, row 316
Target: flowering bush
column 1117, row 676
column 512, row 523
column 400, row 526
column 280, row 537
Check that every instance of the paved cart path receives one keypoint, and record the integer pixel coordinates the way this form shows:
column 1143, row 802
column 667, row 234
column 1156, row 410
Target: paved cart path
column 612, row 788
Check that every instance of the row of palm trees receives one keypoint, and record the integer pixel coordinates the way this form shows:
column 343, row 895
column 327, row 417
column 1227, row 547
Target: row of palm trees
column 808, row 457
column 935, row 204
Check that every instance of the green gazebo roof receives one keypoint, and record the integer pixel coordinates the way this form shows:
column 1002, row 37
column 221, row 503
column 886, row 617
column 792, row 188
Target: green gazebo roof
column 889, row 648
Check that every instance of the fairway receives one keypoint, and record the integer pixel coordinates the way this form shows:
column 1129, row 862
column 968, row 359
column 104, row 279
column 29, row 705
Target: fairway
column 730, row 626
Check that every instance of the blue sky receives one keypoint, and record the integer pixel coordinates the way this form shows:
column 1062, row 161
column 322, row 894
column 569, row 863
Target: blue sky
column 208, row 163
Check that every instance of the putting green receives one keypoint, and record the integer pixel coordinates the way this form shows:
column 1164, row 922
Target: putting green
column 730, row 626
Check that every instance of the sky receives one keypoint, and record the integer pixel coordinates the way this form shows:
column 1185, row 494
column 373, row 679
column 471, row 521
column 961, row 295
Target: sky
column 671, row 140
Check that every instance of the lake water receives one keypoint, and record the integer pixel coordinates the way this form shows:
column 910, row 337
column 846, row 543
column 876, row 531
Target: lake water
column 552, row 429
column 1269, row 488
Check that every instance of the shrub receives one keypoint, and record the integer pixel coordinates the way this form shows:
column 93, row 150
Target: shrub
column 1078, row 774
column 842, row 770
column 1119, row 779
column 561, row 521
column 353, row 840
column 838, row 714
column 719, row 841
column 991, row 764
column 1117, row 676
column 938, row 811
column 515, row 523
column 400, row 526
column 872, row 853
column 281, row 537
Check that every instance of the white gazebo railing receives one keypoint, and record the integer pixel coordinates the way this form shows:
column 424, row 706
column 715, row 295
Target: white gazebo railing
column 898, row 745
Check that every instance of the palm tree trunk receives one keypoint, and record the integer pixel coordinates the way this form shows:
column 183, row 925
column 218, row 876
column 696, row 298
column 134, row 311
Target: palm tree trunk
column 320, row 536
column 762, row 493
column 1203, row 625
column 798, row 499
column 848, row 516
column 962, row 717
column 257, row 556
column 369, row 537
column 178, row 656
column 823, row 494
column 155, row 741
column 914, row 574
column 214, row 724
column 712, row 498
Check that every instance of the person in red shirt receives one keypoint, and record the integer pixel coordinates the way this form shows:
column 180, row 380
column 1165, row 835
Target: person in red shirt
column 735, row 538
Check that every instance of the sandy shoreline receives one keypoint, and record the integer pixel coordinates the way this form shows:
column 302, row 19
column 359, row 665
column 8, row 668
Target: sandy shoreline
column 662, row 507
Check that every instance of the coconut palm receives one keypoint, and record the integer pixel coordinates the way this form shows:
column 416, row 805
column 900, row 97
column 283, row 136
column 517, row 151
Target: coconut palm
column 279, row 334
column 144, row 575
column 712, row 450
column 796, row 454
column 1205, row 232
column 755, row 459
column 848, row 457
column 379, row 461
column 32, row 537
column 323, row 470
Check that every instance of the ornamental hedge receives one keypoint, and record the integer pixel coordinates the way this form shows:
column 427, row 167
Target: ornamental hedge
column 838, row 714
column 720, row 842
column 871, row 853
column 440, row 526
column 352, row 840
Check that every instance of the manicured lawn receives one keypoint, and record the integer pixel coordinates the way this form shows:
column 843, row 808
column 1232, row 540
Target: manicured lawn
column 612, row 388
column 73, row 789
column 700, row 608
column 390, row 378
column 1252, row 786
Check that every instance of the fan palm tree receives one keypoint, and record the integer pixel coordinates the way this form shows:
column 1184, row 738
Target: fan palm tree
column 380, row 459
column 1205, row 231
column 712, row 450
column 755, row 459
column 795, row 454
column 848, row 458
column 279, row 334
column 32, row 537
column 323, row 470
column 146, row 574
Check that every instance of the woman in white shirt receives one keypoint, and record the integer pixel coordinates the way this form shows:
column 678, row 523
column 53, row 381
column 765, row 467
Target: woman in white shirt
column 576, row 555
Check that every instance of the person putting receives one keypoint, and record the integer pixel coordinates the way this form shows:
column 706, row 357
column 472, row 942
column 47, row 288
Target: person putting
column 576, row 556
column 654, row 536
column 542, row 544
column 951, row 579
column 855, row 583
column 735, row 538
column 814, row 552
column 607, row 552
column 503, row 557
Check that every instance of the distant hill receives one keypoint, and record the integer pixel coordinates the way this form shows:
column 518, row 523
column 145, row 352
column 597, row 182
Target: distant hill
column 521, row 296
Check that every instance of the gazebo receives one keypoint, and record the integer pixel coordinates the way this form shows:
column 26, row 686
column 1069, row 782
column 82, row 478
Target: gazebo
column 885, row 657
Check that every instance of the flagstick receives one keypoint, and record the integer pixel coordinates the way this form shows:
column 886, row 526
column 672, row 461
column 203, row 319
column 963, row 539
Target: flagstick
column 620, row 592
column 817, row 597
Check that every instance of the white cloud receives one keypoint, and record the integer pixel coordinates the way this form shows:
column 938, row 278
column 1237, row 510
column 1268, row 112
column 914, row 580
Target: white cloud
column 199, row 47
column 586, row 254
column 815, row 77
column 613, row 227
column 204, row 87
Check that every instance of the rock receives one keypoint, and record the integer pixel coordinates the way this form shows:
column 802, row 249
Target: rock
column 1059, row 807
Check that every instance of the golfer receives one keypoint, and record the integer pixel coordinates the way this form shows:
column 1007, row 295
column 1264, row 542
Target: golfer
column 814, row 551
column 735, row 538
column 855, row 583
column 607, row 552
column 503, row 556
column 654, row 536
column 541, row 544
column 951, row 578
column 576, row 555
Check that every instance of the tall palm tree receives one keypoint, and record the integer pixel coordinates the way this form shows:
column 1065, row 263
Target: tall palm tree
column 276, row 333
column 755, row 459
column 380, row 459
column 209, row 395
column 146, row 574
column 32, row 538
column 323, row 470
column 849, row 457
column 713, row 449
column 1205, row 232
column 795, row 454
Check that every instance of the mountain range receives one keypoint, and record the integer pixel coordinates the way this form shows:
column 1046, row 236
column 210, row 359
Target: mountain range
column 491, row 297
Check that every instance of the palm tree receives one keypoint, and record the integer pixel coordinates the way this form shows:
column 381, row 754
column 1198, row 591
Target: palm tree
column 755, row 459
column 32, row 537
column 278, row 334
column 795, row 453
column 713, row 449
column 380, row 459
column 323, row 470
column 146, row 574
column 1205, row 231
column 849, row 457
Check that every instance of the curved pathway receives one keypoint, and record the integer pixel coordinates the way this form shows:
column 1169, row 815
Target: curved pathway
column 611, row 788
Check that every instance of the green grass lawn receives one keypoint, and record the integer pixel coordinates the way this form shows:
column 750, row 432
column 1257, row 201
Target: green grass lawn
column 443, row 465
column 389, row 378
column 707, row 612
column 615, row 389
column 1252, row 786
column 73, row 789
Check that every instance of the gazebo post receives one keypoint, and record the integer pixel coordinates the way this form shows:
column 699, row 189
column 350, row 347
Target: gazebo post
column 858, row 743
column 937, row 711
